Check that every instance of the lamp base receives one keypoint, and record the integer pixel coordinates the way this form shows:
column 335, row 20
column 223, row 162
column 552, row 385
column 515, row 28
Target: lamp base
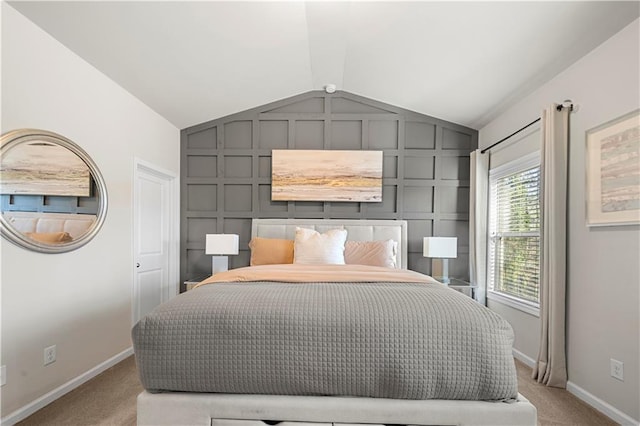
column 440, row 270
column 445, row 271
column 219, row 264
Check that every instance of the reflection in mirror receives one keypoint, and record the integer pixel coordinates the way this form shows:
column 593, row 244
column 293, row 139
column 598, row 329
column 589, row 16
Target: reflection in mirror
column 53, row 197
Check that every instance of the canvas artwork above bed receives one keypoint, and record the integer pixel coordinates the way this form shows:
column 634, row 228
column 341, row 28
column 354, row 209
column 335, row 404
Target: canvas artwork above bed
column 325, row 175
column 326, row 311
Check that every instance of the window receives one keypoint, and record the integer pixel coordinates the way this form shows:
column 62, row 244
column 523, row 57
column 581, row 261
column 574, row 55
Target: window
column 514, row 233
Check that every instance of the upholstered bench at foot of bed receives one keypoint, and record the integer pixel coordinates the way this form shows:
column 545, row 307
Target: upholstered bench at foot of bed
column 252, row 410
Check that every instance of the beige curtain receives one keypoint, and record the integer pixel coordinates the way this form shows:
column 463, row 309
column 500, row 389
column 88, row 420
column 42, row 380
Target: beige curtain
column 551, row 365
column 478, row 202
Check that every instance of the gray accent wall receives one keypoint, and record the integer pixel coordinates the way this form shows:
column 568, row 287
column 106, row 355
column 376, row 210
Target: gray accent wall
column 226, row 172
column 51, row 203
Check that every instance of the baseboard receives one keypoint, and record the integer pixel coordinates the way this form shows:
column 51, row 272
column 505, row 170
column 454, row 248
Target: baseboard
column 530, row 362
column 595, row 402
column 605, row 408
column 48, row 398
column 29, row 409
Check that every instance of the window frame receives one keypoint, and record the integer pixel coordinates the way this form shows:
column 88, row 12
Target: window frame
column 512, row 167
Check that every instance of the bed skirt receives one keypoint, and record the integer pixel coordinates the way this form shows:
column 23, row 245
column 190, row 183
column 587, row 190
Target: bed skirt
column 175, row 408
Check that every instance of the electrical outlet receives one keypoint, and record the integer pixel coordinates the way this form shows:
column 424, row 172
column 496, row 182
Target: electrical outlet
column 3, row 375
column 50, row 355
column 617, row 369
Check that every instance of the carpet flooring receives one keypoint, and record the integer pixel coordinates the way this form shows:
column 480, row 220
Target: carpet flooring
column 109, row 399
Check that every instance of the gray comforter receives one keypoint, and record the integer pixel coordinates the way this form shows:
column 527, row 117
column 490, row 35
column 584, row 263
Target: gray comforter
column 388, row 340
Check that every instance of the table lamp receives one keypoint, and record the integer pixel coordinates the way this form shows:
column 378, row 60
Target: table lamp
column 220, row 245
column 443, row 248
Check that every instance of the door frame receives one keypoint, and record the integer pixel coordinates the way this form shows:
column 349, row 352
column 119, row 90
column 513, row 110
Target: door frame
column 173, row 214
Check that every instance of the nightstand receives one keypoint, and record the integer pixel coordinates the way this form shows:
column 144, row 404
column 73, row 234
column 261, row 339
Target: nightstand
column 462, row 286
column 191, row 282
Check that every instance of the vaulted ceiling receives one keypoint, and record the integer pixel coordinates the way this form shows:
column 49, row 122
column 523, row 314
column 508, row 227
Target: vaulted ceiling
column 463, row 62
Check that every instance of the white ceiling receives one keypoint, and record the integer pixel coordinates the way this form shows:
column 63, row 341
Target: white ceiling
column 459, row 61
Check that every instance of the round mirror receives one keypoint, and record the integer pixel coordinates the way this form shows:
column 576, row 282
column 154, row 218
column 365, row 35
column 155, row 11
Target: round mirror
column 53, row 196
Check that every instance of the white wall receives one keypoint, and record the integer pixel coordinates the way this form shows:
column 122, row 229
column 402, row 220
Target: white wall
column 79, row 301
column 604, row 277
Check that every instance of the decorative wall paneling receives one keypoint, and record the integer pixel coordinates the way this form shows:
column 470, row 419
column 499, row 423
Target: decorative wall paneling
column 50, row 203
column 226, row 172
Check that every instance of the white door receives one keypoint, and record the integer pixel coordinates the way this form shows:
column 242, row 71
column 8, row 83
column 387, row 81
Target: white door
column 155, row 238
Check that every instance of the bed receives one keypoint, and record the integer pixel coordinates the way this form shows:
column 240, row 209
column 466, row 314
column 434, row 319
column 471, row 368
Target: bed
column 50, row 227
column 327, row 352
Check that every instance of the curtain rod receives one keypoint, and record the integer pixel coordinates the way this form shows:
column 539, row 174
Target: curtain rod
column 565, row 104
column 512, row 134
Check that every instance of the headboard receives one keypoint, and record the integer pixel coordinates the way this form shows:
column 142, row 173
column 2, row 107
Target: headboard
column 357, row 230
column 75, row 224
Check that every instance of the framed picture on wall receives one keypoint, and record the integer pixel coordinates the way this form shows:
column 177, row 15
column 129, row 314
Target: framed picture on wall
column 325, row 175
column 613, row 172
column 40, row 167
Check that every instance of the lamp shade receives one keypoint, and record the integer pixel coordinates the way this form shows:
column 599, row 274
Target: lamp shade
column 222, row 244
column 440, row 247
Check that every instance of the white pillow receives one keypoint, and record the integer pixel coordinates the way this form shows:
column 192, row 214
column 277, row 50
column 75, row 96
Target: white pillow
column 313, row 248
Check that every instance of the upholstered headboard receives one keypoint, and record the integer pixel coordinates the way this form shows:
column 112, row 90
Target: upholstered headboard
column 357, row 230
column 75, row 224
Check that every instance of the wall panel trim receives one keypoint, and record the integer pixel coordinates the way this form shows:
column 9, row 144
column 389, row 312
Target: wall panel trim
column 425, row 179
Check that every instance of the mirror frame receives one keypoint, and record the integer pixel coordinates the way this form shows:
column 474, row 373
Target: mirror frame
column 13, row 138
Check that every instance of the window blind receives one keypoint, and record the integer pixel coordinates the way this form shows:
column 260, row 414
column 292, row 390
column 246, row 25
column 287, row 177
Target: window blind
column 514, row 266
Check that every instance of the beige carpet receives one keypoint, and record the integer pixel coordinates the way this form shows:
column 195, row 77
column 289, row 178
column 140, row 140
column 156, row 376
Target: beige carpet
column 110, row 399
column 557, row 406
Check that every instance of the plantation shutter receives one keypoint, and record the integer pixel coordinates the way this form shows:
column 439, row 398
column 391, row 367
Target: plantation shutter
column 515, row 234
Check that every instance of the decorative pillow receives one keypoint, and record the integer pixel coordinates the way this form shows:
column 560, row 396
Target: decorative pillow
column 50, row 237
column 372, row 253
column 270, row 251
column 314, row 248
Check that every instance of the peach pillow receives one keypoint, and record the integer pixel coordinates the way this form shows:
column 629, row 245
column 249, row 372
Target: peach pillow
column 372, row 253
column 50, row 237
column 270, row 251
